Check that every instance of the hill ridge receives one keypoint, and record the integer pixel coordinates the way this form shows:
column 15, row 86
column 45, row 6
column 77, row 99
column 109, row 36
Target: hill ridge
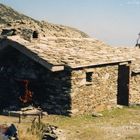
column 10, row 18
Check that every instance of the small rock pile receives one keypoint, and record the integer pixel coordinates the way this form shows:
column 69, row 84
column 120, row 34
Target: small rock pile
column 96, row 114
column 49, row 133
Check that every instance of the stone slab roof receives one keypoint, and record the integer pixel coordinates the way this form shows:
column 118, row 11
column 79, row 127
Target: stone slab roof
column 134, row 53
column 57, row 52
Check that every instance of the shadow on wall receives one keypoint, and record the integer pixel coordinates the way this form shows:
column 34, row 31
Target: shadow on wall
column 50, row 90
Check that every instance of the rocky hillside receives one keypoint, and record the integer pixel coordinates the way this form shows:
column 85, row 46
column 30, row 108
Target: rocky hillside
column 10, row 18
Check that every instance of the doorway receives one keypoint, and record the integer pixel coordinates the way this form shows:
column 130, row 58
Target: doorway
column 123, row 85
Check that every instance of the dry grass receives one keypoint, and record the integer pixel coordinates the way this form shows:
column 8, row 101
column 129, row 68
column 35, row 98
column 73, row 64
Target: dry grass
column 117, row 124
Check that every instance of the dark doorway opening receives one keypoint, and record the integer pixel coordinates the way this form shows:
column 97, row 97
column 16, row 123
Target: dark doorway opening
column 123, row 85
column 35, row 34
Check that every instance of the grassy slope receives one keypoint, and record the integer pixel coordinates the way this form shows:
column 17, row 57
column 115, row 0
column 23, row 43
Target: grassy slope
column 117, row 124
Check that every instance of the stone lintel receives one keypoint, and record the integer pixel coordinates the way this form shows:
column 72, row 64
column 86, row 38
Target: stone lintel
column 136, row 71
column 124, row 63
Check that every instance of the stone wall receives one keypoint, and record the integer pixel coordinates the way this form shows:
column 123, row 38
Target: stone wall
column 135, row 89
column 51, row 91
column 97, row 95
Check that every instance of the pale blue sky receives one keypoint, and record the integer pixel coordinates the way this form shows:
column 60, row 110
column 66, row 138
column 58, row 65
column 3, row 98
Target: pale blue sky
column 117, row 22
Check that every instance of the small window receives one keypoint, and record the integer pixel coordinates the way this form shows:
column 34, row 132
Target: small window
column 89, row 76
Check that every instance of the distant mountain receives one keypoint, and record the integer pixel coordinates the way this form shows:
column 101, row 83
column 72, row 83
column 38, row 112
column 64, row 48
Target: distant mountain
column 9, row 18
